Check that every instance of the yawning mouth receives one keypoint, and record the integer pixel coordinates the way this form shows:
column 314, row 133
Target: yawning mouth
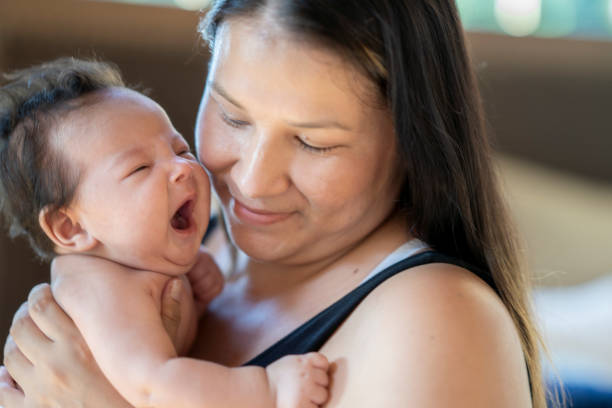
column 182, row 218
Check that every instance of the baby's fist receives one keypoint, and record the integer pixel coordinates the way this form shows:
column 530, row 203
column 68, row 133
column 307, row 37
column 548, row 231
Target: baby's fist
column 300, row 381
column 206, row 280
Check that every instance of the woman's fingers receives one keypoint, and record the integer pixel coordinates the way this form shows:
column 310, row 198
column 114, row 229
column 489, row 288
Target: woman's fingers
column 10, row 395
column 171, row 308
column 26, row 335
column 47, row 314
column 16, row 362
column 5, row 377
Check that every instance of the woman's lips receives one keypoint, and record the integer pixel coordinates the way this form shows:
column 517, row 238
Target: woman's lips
column 253, row 216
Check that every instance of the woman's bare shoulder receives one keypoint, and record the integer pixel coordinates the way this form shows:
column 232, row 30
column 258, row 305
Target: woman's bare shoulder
column 435, row 335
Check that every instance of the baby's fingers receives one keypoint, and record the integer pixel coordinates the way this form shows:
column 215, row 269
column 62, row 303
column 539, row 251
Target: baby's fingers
column 320, row 377
column 318, row 395
column 317, row 360
column 209, row 285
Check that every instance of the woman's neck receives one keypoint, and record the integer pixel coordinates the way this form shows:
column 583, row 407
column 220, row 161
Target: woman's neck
column 339, row 271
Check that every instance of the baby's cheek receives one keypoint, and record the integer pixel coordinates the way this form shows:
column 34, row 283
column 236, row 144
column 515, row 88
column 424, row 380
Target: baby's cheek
column 145, row 229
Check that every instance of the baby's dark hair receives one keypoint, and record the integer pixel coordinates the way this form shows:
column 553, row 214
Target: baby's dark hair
column 33, row 175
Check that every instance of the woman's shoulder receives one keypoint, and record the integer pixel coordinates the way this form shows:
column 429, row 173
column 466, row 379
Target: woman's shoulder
column 432, row 333
column 439, row 288
column 436, row 297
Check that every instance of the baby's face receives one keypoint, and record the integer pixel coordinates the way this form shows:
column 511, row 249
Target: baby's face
column 142, row 194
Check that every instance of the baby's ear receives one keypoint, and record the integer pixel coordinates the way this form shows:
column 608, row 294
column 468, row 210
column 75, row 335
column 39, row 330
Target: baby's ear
column 64, row 230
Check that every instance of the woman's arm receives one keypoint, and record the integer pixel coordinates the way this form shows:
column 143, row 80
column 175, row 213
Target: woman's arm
column 165, row 382
column 435, row 336
column 51, row 362
column 117, row 314
column 59, row 369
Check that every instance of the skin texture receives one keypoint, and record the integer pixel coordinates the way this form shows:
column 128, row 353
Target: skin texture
column 434, row 336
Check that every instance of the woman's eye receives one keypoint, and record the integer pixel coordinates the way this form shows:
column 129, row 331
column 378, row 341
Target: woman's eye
column 233, row 122
column 312, row 148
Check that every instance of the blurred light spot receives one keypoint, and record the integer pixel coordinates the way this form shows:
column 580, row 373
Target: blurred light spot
column 559, row 18
column 610, row 13
column 518, row 17
column 192, row 4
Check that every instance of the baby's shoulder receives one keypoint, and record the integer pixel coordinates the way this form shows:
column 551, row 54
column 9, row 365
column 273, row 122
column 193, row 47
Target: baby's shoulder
column 83, row 276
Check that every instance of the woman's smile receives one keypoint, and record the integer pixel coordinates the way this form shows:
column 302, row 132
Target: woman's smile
column 256, row 216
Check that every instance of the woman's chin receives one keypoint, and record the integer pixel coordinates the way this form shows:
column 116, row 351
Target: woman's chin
column 269, row 248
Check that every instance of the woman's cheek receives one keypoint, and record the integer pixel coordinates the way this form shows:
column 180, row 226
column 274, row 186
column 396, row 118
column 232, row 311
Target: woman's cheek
column 332, row 184
column 217, row 147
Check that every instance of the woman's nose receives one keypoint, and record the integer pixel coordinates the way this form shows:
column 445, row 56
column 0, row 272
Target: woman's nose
column 262, row 169
column 181, row 170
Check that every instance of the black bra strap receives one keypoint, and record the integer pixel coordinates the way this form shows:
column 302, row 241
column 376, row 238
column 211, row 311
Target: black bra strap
column 315, row 332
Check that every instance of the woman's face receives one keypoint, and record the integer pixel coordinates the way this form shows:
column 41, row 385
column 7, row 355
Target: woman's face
column 300, row 153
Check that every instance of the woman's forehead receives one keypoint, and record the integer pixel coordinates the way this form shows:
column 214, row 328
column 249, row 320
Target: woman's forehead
column 276, row 70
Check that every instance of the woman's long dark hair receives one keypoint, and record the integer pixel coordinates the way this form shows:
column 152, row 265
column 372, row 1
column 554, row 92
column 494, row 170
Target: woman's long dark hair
column 414, row 51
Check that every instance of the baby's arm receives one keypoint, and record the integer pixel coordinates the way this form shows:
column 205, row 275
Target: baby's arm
column 120, row 322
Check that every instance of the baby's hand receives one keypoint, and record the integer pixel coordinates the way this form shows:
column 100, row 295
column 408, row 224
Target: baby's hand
column 206, row 280
column 299, row 381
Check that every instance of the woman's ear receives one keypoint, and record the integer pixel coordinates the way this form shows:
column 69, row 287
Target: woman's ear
column 65, row 231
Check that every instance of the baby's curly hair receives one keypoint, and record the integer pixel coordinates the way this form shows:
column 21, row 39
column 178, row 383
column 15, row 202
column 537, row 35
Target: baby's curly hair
column 33, row 175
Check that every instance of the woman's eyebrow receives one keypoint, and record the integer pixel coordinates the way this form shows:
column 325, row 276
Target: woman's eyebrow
column 320, row 124
column 219, row 89
column 306, row 125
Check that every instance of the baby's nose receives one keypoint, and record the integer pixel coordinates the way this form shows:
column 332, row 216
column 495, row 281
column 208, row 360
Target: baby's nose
column 181, row 170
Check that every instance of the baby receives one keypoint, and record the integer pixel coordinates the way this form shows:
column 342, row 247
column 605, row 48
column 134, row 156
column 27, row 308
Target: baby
column 90, row 167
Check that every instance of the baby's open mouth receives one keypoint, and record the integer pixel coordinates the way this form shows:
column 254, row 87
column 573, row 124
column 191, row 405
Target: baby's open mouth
column 182, row 218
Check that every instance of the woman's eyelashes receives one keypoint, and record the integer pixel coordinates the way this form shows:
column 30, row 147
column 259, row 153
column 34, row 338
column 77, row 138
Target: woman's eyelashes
column 235, row 123
column 311, row 148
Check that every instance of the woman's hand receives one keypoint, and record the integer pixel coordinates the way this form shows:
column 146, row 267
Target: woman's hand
column 49, row 361
column 48, row 364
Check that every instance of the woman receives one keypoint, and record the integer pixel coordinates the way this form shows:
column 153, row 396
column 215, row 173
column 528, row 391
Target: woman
column 345, row 143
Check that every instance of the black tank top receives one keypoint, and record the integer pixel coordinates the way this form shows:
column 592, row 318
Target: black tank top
column 311, row 335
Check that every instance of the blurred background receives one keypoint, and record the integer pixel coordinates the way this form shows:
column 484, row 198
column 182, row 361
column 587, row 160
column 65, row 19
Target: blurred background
column 545, row 70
